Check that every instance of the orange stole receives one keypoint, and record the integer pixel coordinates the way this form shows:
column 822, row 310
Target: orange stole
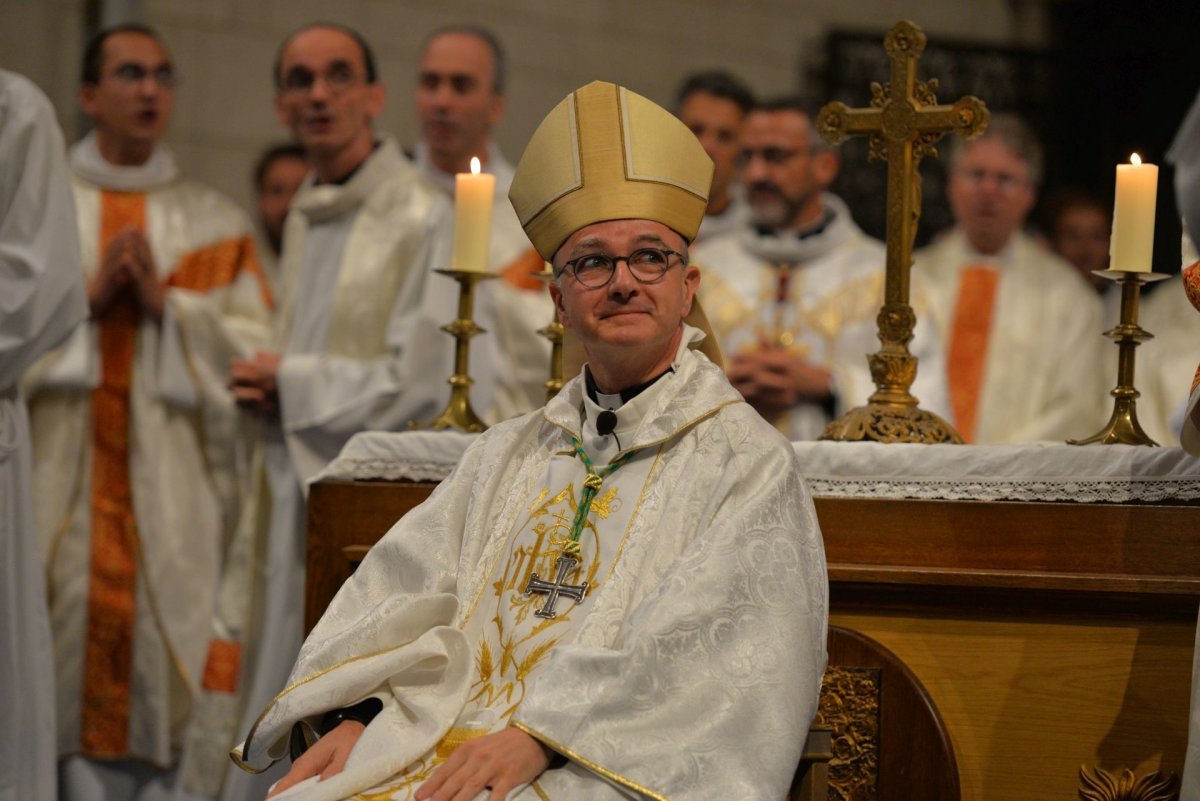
column 966, row 359
column 112, row 589
column 108, row 652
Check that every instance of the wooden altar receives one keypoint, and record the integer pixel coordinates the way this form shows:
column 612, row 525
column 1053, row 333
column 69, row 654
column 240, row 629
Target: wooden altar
column 1050, row 636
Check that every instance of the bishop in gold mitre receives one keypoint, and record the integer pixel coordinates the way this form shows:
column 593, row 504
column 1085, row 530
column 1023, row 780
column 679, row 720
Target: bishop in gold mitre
column 620, row 595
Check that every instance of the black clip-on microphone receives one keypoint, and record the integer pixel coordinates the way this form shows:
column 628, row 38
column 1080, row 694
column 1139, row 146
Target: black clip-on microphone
column 606, row 422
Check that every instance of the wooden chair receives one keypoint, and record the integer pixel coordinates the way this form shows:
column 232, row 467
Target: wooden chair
column 887, row 741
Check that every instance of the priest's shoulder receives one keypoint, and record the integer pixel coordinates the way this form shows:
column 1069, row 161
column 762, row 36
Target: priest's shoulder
column 405, row 186
column 200, row 203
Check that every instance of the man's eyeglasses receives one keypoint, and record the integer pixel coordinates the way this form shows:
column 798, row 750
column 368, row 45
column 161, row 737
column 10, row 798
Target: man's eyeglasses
column 647, row 265
column 1005, row 181
column 773, row 156
column 337, row 78
column 134, row 74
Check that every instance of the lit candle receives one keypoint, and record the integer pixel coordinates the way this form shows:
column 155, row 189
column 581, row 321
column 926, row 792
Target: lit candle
column 1132, row 246
column 472, row 218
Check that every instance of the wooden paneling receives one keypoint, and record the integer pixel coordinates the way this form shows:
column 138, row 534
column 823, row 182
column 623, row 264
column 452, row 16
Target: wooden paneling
column 1050, row 636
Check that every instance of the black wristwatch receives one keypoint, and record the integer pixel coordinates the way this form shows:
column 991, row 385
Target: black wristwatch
column 364, row 712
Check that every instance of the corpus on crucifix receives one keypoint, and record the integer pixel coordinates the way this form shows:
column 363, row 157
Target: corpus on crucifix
column 904, row 122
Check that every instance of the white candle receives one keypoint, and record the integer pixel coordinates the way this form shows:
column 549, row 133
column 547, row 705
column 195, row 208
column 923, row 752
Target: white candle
column 1132, row 245
column 472, row 218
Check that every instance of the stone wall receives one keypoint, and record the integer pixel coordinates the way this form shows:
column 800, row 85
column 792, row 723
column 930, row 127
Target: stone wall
column 224, row 50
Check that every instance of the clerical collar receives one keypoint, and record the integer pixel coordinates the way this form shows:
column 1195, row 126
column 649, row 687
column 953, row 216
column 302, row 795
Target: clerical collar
column 88, row 163
column 816, row 229
column 346, row 178
column 606, row 401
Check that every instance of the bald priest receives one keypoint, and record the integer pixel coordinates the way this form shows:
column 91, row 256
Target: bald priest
column 621, row 595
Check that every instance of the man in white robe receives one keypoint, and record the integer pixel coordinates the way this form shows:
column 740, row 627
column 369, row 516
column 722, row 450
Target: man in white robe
column 358, row 344
column 712, row 105
column 466, row 653
column 44, row 299
column 460, row 99
column 1025, row 351
column 1185, row 155
column 794, row 293
column 137, row 447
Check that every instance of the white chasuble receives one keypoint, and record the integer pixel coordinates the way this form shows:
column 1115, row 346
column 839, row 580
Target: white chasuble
column 139, row 460
column 1043, row 375
column 512, row 640
column 689, row 670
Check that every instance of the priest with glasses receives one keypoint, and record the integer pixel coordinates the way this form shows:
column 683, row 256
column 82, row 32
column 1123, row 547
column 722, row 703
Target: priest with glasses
column 620, row 595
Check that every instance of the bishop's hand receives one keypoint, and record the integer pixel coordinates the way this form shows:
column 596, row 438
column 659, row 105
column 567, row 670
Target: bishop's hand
column 325, row 758
column 500, row 761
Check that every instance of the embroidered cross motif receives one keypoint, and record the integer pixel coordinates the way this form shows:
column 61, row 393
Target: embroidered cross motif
column 553, row 589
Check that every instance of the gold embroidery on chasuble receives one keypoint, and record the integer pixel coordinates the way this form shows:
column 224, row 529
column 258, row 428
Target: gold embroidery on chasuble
column 510, row 641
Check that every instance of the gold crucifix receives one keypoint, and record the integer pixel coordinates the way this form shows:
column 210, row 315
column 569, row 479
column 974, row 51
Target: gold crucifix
column 903, row 123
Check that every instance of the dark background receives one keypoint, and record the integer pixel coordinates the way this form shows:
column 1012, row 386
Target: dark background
column 1117, row 78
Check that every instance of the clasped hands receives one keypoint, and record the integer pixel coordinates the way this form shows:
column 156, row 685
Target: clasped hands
column 773, row 379
column 499, row 761
column 127, row 263
column 254, row 382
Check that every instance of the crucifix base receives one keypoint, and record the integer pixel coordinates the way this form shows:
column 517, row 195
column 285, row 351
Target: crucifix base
column 883, row 422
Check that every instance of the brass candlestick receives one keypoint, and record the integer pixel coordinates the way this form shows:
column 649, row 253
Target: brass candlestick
column 553, row 332
column 458, row 412
column 1123, row 426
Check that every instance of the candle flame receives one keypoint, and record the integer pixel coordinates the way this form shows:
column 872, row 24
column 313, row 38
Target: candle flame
column 475, row 165
column 1135, row 159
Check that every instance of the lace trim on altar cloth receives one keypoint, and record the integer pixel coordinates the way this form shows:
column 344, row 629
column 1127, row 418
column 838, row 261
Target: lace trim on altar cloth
column 385, row 469
column 1033, row 472
column 1099, row 491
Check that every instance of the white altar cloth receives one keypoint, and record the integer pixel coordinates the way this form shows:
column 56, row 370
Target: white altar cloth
column 1027, row 472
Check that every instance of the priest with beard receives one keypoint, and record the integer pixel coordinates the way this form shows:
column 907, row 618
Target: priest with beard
column 794, row 292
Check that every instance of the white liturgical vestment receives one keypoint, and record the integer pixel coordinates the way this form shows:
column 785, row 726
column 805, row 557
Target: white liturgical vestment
column 1044, row 376
column 690, row 668
column 817, row 295
column 138, row 462
column 41, row 300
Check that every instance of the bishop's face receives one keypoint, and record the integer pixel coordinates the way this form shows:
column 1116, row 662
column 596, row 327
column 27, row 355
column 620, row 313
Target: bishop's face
column 625, row 315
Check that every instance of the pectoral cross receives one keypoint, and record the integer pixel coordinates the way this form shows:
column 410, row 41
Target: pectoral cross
column 903, row 123
column 553, row 589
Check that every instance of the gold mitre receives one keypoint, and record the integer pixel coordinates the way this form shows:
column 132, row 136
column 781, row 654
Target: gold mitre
column 606, row 153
